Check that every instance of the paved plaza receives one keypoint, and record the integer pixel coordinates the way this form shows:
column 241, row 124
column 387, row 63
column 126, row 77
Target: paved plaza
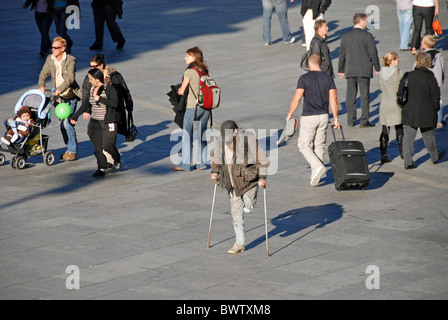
column 141, row 232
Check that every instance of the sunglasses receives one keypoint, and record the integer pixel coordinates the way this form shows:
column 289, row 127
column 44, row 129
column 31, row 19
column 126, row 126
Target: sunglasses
column 56, row 48
column 94, row 66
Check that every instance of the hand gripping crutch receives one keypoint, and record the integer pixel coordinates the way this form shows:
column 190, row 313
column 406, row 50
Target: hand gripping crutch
column 266, row 223
column 211, row 217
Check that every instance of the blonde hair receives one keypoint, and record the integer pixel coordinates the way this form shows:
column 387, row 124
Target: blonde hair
column 388, row 58
column 61, row 41
column 429, row 40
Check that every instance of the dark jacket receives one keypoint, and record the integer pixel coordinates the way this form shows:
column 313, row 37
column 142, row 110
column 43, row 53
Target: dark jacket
column 111, row 101
column 318, row 7
column 358, row 54
column 320, row 46
column 51, row 3
column 423, row 99
column 249, row 164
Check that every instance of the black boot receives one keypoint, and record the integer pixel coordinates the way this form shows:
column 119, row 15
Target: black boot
column 400, row 140
column 384, row 140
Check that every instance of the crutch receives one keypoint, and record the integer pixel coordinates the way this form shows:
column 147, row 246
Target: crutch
column 211, row 218
column 266, row 223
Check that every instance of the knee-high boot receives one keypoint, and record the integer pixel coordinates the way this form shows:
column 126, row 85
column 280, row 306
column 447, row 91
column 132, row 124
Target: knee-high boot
column 400, row 133
column 384, row 140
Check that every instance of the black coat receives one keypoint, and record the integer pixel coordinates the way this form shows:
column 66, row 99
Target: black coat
column 320, row 46
column 318, row 7
column 358, row 54
column 423, row 99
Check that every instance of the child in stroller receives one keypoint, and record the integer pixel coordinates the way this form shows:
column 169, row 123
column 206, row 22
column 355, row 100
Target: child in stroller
column 25, row 140
column 20, row 127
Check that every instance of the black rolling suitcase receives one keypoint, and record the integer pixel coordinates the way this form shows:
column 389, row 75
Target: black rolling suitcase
column 349, row 164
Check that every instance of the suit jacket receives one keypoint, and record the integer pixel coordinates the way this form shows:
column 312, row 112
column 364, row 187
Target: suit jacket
column 358, row 54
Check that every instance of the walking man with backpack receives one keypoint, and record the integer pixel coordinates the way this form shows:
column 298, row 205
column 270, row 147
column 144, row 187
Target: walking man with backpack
column 240, row 166
column 319, row 92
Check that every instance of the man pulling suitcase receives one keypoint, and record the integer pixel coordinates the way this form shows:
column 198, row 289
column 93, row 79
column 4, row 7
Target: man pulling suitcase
column 320, row 94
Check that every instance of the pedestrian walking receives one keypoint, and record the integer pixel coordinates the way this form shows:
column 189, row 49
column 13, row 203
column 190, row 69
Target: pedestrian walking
column 319, row 92
column 405, row 20
column 44, row 19
column 312, row 10
column 59, row 12
column 423, row 11
column 390, row 111
column 102, row 127
column 319, row 45
column 420, row 112
column 239, row 165
column 437, row 67
column 281, row 7
column 61, row 67
column 107, row 11
column 357, row 55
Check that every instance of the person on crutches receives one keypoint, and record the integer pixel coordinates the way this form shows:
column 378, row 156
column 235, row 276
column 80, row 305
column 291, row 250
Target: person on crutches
column 240, row 166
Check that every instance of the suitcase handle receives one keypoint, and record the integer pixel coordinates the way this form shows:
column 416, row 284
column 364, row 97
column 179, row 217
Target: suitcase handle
column 334, row 135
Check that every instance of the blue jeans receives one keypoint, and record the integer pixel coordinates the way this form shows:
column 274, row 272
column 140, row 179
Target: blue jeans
column 191, row 134
column 68, row 130
column 281, row 7
column 405, row 21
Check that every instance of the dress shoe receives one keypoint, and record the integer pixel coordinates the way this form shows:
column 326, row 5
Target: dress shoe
column 95, row 47
column 367, row 125
column 120, row 44
column 99, row 173
column 410, row 166
column 441, row 155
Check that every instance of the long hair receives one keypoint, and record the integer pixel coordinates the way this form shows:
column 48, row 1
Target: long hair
column 199, row 59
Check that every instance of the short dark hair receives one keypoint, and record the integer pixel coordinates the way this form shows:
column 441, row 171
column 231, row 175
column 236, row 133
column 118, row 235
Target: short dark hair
column 319, row 23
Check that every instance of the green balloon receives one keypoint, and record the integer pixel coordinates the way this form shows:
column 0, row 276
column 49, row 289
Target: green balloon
column 63, row 111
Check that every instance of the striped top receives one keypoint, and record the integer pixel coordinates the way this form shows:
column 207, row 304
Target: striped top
column 98, row 108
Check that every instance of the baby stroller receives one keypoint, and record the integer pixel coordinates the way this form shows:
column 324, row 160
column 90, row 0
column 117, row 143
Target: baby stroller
column 35, row 143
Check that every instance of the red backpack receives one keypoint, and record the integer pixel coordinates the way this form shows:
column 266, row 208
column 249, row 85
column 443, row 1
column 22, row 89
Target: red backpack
column 210, row 91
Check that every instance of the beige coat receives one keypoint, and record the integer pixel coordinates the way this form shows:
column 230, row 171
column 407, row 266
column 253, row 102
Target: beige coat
column 69, row 87
column 390, row 111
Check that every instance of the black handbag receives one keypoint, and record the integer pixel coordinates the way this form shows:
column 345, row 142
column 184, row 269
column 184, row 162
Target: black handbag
column 132, row 131
column 304, row 61
column 402, row 95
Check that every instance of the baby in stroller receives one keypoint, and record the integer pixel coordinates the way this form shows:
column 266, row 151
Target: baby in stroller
column 20, row 127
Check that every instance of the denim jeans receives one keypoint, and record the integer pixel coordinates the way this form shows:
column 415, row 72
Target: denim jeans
column 405, row 21
column 68, row 130
column 281, row 7
column 237, row 205
column 190, row 135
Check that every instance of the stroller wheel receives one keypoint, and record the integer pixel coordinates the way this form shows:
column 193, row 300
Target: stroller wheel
column 20, row 162
column 2, row 159
column 49, row 158
column 13, row 162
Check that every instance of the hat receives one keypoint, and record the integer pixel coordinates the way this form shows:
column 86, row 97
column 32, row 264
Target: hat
column 228, row 125
column 289, row 131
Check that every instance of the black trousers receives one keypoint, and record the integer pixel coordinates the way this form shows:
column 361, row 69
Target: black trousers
column 420, row 15
column 350, row 101
column 103, row 138
column 105, row 14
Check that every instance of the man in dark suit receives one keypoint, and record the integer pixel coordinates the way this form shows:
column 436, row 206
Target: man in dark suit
column 357, row 56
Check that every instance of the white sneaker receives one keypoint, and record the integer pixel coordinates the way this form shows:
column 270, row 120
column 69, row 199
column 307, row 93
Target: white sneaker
column 292, row 40
column 316, row 175
column 14, row 138
column 5, row 141
column 237, row 248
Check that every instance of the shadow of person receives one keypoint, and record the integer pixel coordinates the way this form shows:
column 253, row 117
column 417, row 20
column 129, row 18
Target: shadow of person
column 293, row 221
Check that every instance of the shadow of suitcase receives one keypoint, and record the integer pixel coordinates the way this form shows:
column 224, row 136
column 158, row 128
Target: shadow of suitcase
column 349, row 164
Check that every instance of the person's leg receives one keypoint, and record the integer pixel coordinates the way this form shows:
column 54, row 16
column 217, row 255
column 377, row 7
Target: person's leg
column 68, row 130
column 399, row 131
column 440, row 112
column 236, row 209
column 203, row 117
column 408, row 144
column 364, row 91
column 250, row 199
column 99, row 20
column 114, row 29
column 384, row 140
column 308, row 27
column 430, row 143
column 428, row 18
column 185, row 163
column 350, row 101
column 321, row 136
column 110, row 142
column 281, row 7
column 268, row 8
column 95, row 133
column 418, row 22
